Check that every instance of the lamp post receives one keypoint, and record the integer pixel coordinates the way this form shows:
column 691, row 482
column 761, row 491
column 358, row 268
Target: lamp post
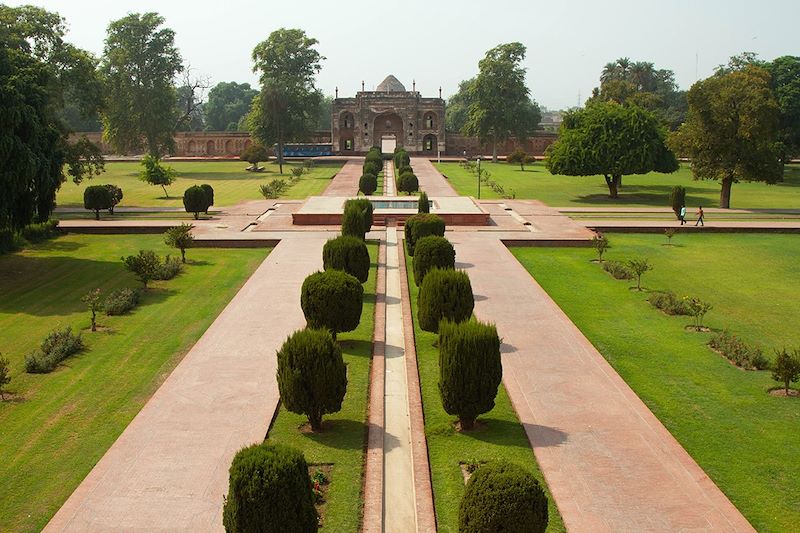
column 479, row 177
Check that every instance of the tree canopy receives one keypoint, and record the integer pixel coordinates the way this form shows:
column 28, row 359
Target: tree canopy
column 139, row 64
column 731, row 133
column 500, row 106
column 457, row 111
column 640, row 83
column 785, row 84
column 228, row 102
column 288, row 103
column 612, row 140
column 37, row 69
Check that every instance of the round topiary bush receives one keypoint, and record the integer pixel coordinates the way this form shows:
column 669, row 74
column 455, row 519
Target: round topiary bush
column 349, row 254
column 333, row 300
column 368, row 184
column 503, row 497
column 470, row 369
column 405, row 170
column 430, row 252
column 195, row 200
column 353, row 223
column 97, row 197
column 402, row 159
column 363, row 208
column 408, row 183
column 444, row 294
column 312, row 376
column 373, row 167
column 209, row 190
column 421, row 225
column 269, row 491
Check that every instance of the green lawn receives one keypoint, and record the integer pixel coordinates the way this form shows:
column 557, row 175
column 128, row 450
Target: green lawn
column 649, row 190
column 232, row 184
column 745, row 439
column 502, row 436
column 58, row 425
column 343, row 438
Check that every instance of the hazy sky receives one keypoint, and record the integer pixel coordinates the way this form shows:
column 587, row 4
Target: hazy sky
column 439, row 43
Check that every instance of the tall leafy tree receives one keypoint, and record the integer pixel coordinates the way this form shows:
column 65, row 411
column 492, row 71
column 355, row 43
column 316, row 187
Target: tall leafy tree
column 785, row 84
column 456, row 113
column 139, row 65
column 612, row 140
column 500, row 105
column 287, row 105
column 228, row 102
column 640, row 83
column 731, row 133
column 37, row 69
column 324, row 114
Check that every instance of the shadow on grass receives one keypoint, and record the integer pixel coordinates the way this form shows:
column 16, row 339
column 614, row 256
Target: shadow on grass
column 339, row 434
column 59, row 245
column 497, row 431
column 356, row 347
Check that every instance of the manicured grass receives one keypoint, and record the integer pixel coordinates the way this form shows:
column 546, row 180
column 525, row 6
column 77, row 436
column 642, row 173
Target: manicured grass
column 58, row 425
column 343, row 437
column 232, row 184
column 500, row 435
column 652, row 189
column 745, row 439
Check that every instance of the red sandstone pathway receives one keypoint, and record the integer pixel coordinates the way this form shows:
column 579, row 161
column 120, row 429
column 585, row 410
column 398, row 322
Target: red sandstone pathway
column 431, row 180
column 610, row 464
column 345, row 182
column 168, row 470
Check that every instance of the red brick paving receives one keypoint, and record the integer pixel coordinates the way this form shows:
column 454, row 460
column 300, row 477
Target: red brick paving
column 431, row 180
column 345, row 182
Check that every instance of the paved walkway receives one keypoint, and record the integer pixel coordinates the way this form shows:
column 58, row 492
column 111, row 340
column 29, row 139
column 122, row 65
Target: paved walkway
column 431, row 180
column 609, row 463
column 739, row 226
column 345, row 182
column 399, row 509
column 168, row 470
column 388, row 179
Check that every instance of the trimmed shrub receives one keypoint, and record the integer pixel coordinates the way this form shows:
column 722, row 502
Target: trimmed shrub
column 677, row 199
column 421, row 225
column 402, row 159
column 469, row 369
column 120, row 301
column 57, row 346
column 312, row 376
column 180, row 237
column 669, row 303
column 786, row 369
column 332, row 299
column 408, row 183
column 209, row 190
column 368, row 184
column 423, row 204
column 168, row 268
column 353, row 224
column 357, row 217
column 195, row 200
column 97, row 197
column 618, row 270
column 373, row 167
column 274, row 188
column 600, row 244
column 444, row 294
column 517, row 157
column 269, row 491
column 502, row 496
column 349, row 254
column 5, row 376
column 40, row 232
column 144, row 265
column 116, row 196
column 254, row 154
column 430, row 252
column 738, row 352
column 405, row 170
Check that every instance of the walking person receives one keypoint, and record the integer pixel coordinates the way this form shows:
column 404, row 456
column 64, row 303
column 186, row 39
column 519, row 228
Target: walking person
column 682, row 215
column 700, row 216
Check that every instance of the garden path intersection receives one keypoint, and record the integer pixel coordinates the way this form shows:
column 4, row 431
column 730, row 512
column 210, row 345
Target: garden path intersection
column 609, row 463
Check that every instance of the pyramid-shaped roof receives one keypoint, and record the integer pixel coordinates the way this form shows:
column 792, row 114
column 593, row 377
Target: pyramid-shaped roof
column 391, row 84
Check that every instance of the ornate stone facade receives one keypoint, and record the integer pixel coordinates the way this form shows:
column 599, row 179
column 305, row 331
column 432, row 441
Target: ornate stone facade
column 387, row 117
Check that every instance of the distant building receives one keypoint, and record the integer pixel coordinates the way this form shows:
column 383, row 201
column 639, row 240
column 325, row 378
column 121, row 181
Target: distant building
column 551, row 121
column 387, row 117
